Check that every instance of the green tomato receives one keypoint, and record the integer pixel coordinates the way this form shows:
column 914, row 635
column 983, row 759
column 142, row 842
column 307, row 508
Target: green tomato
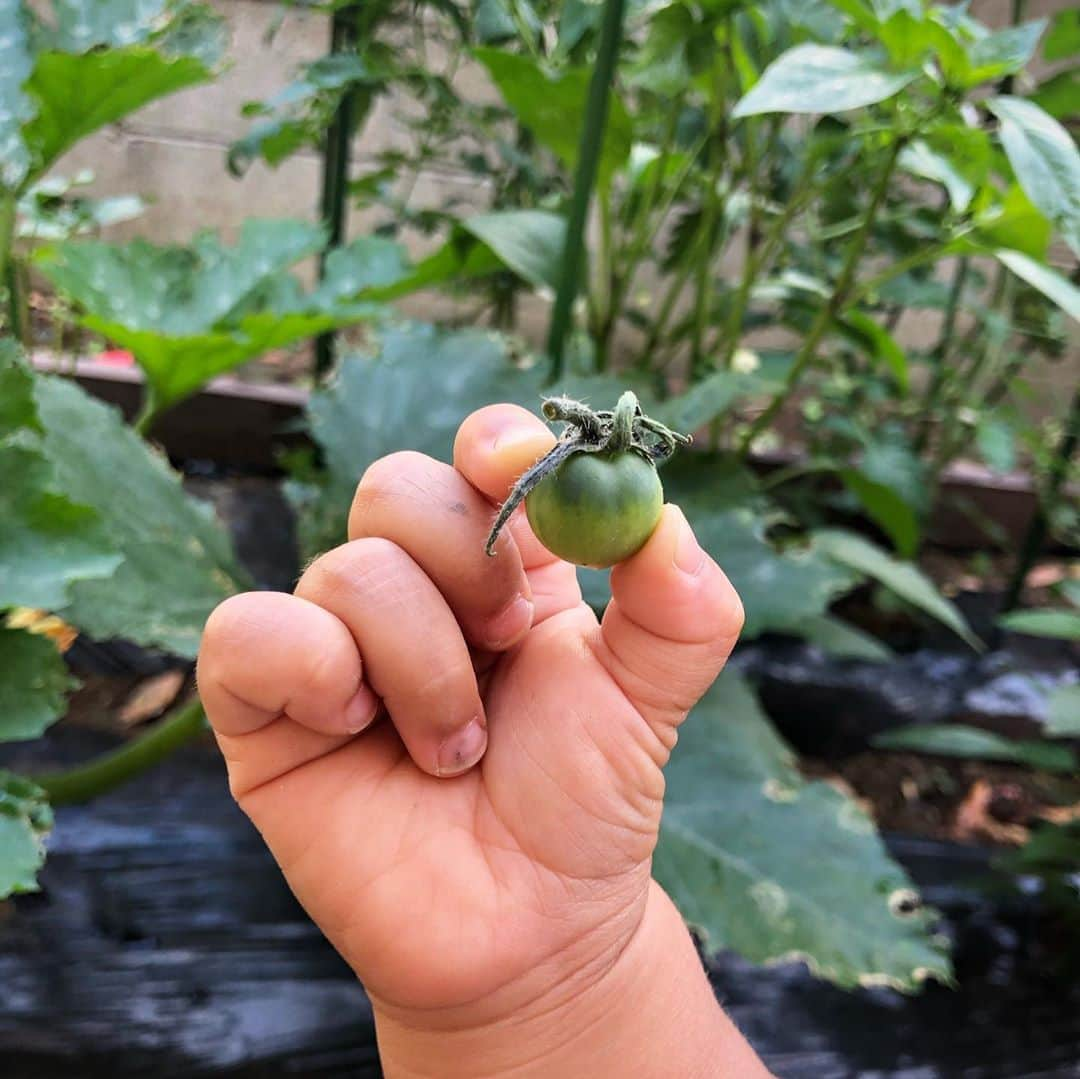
column 596, row 509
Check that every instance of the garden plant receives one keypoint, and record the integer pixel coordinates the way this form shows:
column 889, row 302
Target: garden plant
column 736, row 211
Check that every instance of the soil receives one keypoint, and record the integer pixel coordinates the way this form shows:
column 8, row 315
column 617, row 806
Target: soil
column 983, row 802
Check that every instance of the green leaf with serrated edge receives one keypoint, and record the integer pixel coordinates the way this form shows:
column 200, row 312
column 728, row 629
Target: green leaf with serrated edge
column 25, row 820
column 903, row 578
column 190, row 313
column 16, row 107
column 552, row 107
column 821, row 79
column 1045, row 160
column 34, row 683
column 81, row 25
column 779, row 589
column 178, row 561
column 1063, row 712
column 46, row 540
column 1049, row 282
column 76, row 95
column 837, row 638
column 1062, row 625
column 381, row 400
column 17, row 408
column 742, row 843
column 973, row 743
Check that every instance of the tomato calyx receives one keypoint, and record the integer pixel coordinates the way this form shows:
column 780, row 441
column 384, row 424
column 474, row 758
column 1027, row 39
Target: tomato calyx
column 624, row 429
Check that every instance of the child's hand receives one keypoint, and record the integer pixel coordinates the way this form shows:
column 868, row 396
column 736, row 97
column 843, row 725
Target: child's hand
column 457, row 768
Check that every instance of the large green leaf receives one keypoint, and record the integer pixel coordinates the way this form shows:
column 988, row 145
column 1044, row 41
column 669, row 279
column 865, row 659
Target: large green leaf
column 552, row 107
column 743, row 842
column 1045, row 160
column 178, row 562
column 25, row 820
column 1039, row 276
column 972, row 743
column 411, row 390
column 34, row 683
column 77, row 94
column 15, row 107
column 779, row 589
column 821, row 79
column 189, row 313
column 903, row 578
column 46, row 540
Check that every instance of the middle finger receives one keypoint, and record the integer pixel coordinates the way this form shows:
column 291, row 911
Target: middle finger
column 431, row 511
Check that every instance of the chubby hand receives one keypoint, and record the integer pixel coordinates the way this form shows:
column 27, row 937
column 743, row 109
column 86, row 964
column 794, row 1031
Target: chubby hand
column 458, row 769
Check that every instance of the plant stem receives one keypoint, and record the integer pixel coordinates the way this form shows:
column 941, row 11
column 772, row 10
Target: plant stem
column 1040, row 522
column 589, row 147
column 110, row 770
column 839, row 296
column 9, row 273
column 941, row 354
column 344, row 37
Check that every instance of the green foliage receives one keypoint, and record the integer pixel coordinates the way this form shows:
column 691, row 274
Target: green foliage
column 189, row 313
column 821, row 79
column 25, row 820
column 34, row 683
column 47, row 541
column 552, row 108
column 91, row 65
column 903, row 578
column 1060, row 624
column 731, row 784
column 177, row 560
column 945, row 740
column 1045, row 160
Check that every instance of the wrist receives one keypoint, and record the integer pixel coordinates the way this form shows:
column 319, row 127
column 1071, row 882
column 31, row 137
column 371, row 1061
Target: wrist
column 646, row 1010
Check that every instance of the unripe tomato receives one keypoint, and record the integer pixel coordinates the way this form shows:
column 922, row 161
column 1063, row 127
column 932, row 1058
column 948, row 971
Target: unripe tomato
column 596, row 509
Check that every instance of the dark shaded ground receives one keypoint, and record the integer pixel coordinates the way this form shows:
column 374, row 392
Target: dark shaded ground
column 165, row 943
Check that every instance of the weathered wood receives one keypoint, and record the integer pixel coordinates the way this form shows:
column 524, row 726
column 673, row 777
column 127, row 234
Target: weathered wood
column 165, row 943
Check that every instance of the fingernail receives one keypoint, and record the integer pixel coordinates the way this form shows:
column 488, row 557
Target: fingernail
column 360, row 712
column 462, row 750
column 510, row 624
column 689, row 557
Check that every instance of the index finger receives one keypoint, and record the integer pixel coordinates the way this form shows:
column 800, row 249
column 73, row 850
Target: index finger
column 493, row 447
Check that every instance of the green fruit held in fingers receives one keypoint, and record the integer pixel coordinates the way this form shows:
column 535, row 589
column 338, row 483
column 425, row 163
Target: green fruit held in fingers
column 595, row 498
column 597, row 509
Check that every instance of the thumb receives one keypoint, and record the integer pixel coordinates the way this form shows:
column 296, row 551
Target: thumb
column 673, row 620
